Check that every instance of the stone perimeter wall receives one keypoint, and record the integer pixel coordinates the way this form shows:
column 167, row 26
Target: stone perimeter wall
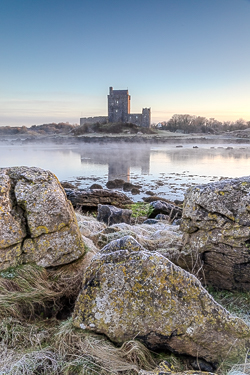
column 93, row 120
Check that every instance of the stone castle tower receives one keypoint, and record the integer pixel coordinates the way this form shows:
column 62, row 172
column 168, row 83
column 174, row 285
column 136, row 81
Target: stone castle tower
column 119, row 111
column 118, row 105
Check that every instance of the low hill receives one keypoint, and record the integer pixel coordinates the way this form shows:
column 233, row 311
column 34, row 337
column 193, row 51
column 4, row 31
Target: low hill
column 112, row 128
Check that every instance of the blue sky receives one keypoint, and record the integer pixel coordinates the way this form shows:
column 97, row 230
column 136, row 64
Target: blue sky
column 59, row 57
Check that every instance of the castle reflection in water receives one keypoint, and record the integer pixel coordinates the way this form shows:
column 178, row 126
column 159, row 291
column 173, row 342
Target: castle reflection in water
column 120, row 159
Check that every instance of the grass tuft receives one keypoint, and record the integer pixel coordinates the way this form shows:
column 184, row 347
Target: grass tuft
column 70, row 341
column 26, row 293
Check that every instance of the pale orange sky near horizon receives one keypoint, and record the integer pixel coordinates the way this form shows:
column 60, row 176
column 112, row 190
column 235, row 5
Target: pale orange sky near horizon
column 176, row 57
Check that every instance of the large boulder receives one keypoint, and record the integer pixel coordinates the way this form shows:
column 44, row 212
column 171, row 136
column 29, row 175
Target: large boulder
column 129, row 292
column 216, row 222
column 37, row 222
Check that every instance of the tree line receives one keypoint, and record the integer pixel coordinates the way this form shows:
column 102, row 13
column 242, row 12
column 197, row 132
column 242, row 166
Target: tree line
column 52, row 128
column 198, row 124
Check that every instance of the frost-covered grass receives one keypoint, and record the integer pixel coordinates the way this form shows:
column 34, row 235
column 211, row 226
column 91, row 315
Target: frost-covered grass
column 236, row 302
column 37, row 338
column 34, row 341
column 53, row 347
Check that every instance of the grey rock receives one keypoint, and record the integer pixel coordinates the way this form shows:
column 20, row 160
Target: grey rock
column 162, row 217
column 135, row 191
column 112, row 215
column 161, row 207
column 91, row 198
column 115, row 184
column 67, row 185
column 123, row 243
column 96, row 186
column 150, row 221
column 127, row 186
column 149, row 192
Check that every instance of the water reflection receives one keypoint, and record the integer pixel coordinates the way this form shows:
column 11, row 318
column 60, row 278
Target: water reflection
column 120, row 160
column 165, row 169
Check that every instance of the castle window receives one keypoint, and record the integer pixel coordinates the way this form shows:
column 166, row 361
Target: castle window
column 116, row 110
column 117, row 102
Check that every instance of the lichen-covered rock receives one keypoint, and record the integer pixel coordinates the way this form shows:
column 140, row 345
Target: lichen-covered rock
column 130, row 293
column 216, row 220
column 37, row 222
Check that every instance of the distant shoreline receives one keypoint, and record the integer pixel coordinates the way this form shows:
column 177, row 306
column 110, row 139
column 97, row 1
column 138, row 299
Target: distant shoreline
column 117, row 138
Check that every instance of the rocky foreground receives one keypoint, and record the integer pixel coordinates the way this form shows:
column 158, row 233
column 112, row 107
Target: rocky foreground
column 142, row 282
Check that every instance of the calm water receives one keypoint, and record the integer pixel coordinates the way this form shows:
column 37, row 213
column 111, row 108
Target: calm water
column 166, row 170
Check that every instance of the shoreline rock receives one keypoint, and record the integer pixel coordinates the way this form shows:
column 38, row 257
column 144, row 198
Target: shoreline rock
column 91, row 198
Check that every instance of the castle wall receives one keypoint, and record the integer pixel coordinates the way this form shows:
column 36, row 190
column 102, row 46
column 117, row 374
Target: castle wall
column 93, row 120
column 135, row 118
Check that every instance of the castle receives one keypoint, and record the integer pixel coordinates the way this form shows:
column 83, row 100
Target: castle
column 119, row 111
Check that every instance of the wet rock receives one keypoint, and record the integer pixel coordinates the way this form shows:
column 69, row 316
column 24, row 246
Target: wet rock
column 96, row 186
column 112, row 215
column 149, row 192
column 91, row 198
column 129, row 292
column 127, row 186
column 155, row 198
column 115, row 184
column 216, row 222
column 135, row 191
column 67, row 185
column 37, row 222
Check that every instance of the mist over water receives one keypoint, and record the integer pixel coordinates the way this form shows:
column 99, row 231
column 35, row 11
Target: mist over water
column 166, row 170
